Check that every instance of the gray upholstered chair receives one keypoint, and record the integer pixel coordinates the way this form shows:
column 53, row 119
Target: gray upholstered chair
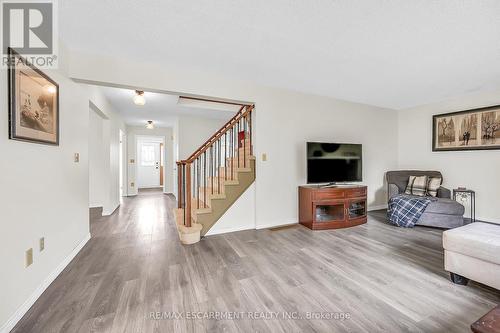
column 442, row 213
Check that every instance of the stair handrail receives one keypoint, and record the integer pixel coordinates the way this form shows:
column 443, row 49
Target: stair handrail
column 184, row 167
column 242, row 112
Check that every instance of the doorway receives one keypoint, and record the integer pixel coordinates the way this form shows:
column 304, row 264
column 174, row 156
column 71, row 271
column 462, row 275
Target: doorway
column 150, row 162
column 97, row 160
column 122, row 163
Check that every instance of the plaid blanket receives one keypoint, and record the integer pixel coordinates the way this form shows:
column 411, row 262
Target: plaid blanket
column 405, row 210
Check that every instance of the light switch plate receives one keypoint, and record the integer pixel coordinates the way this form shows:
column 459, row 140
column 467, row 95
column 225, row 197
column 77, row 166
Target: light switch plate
column 132, row 184
column 264, row 157
column 29, row 257
column 42, row 244
column 132, row 161
column 77, row 157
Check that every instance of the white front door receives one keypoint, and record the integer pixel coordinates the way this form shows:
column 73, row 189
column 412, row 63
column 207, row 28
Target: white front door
column 149, row 164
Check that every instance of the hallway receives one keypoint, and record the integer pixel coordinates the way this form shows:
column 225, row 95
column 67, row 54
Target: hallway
column 117, row 273
column 134, row 272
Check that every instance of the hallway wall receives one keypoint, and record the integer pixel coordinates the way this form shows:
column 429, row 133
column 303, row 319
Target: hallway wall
column 48, row 193
column 45, row 194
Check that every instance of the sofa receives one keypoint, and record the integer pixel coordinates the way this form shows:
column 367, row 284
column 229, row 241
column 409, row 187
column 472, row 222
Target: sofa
column 442, row 213
column 472, row 252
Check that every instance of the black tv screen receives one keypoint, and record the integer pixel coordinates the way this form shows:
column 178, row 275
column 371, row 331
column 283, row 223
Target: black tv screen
column 334, row 162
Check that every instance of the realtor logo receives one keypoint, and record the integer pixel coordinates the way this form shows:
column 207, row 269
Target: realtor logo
column 29, row 27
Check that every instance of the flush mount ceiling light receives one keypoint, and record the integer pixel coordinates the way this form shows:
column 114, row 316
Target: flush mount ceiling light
column 139, row 98
column 150, row 125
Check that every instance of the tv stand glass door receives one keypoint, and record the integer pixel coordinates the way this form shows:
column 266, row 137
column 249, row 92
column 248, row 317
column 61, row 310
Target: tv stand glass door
column 330, row 211
column 357, row 208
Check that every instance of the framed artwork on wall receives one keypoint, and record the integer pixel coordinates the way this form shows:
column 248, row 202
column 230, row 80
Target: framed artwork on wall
column 476, row 129
column 33, row 103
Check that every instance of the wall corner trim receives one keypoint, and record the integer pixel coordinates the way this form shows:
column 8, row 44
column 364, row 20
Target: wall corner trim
column 21, row 311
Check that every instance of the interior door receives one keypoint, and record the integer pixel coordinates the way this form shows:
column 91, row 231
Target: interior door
column 149, row 164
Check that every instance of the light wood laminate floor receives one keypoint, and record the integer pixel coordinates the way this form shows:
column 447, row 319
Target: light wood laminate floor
column 386, row 279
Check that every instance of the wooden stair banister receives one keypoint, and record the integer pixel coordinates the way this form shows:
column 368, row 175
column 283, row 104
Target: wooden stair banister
column 226, row 151
column 248, row 109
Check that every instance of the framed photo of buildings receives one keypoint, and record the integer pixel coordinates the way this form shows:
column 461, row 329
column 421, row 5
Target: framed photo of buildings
column 33, row 103
column 476, row 129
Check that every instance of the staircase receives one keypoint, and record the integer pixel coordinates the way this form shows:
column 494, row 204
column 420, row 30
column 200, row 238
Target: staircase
column 215, row 176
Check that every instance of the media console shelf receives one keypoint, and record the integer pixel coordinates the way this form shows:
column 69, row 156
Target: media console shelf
column 333, row 207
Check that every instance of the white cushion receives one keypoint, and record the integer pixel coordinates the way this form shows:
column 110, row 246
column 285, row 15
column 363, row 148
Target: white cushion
column 475, row 269
column 478, row 240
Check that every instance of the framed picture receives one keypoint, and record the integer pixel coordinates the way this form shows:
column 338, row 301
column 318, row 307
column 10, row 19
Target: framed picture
column 33, row 103
column 477, row 129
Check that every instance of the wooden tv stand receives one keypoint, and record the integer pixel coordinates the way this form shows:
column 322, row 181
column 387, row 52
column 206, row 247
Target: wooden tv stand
column 333, row 207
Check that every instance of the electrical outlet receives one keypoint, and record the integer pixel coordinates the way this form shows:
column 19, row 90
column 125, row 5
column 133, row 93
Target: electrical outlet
column 29, row 257
column 132, row 184
column 132, row 161
column 264, row 157
column 77, row 157
column 42, row 244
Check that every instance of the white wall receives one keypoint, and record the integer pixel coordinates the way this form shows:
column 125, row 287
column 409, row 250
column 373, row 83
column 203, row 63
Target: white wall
column 133, row 132
column 478, row 170
column 240, row 216
column 48, row 193
column 194, row 131
column 284, row 121
column 44, row 194
column 96, row 160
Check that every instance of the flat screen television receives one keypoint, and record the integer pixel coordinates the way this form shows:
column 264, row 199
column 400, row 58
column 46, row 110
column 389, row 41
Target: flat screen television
column 334, row 162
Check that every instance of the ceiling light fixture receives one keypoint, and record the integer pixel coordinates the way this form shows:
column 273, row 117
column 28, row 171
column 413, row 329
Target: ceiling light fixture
column 150, row 125
column 139, row 98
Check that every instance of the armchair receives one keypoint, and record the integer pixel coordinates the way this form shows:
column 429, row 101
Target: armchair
column 443, row 213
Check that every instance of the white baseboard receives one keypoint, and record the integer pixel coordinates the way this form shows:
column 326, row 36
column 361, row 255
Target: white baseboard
column 277, row 224
column 21, row 311
column 227, row 230
column 259, row 227
column 485, row 219
column 376, row 207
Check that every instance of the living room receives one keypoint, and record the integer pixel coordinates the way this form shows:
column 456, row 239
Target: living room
column 368, row 74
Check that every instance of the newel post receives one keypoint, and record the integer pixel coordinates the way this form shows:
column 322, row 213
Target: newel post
column 179, row 184
column 187, row 210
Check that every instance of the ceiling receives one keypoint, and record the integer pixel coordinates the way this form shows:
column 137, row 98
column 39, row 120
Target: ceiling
column 390, row 53
column 162, row 109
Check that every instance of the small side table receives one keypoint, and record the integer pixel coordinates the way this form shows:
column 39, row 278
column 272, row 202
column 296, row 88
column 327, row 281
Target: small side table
column 489, row 323
column 471, row 195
